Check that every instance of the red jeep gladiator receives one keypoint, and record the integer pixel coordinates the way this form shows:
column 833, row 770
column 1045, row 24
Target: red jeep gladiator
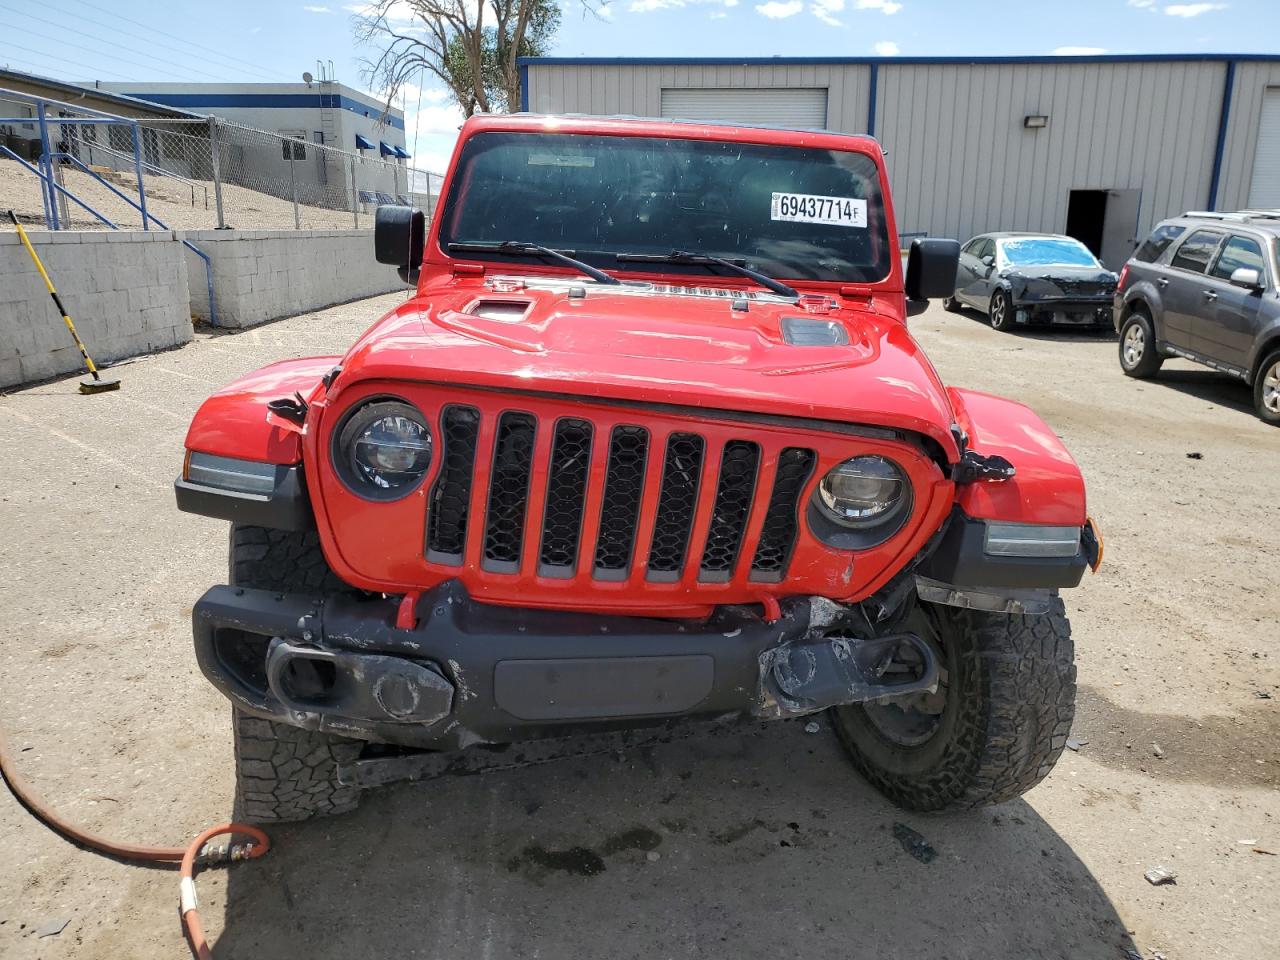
column 651, row 446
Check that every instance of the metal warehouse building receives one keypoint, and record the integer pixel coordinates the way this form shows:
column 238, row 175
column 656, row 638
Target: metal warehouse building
column 1097, row 147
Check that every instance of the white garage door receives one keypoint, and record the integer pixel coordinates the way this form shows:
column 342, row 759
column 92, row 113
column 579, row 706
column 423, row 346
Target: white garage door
column 800, row 108
column 1264, row 194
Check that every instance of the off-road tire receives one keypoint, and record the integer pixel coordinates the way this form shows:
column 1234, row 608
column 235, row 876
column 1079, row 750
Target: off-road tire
column 1139, row 356
column 1011, row 684
column 1000, row 312
column 284, row 772
column 951, row 305
column 287, row 773
column 1263, row 387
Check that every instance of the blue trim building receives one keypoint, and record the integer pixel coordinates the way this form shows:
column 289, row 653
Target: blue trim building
column 1098, row 146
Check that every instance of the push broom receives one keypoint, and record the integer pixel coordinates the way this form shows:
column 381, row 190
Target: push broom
column 95, row 383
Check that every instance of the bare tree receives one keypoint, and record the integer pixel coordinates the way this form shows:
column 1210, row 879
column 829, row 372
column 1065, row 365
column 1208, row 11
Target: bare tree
column 469, row 45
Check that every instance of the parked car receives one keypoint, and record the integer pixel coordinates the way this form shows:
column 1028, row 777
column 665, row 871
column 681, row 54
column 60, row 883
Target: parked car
column 650, row 444
column 1020, row 278
column 1204, row 286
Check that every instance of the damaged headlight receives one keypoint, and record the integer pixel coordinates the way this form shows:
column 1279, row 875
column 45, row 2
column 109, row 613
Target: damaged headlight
column 382, row 449
column 862, row 492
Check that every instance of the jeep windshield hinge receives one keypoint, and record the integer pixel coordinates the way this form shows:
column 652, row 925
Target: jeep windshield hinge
column 974, row 466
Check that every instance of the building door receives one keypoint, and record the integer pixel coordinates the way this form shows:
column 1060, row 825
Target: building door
column 798, row 108
column 1264, row 192
column 1105, row 221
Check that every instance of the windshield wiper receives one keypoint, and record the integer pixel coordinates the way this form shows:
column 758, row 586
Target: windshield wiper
column 519, row 248
column 738, row 266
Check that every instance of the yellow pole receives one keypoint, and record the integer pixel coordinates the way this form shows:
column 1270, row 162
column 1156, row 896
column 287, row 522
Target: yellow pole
column 22, row 234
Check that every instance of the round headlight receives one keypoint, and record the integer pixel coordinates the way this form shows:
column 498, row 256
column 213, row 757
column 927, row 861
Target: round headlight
column 383, row 449
column 862, row 492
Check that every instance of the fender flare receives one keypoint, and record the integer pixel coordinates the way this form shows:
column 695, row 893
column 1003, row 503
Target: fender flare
column 235, row 422
column 1047, row 487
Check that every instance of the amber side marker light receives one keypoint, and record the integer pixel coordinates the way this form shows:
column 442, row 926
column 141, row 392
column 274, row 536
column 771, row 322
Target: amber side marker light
column 1097, row 534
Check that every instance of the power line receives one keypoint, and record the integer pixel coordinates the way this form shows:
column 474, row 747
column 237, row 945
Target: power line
column 99, row 52
column 191, row 43
column 50, row 63
column 63, row 64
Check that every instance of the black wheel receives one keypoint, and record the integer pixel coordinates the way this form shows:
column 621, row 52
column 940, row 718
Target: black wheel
column 285, row 772
column 951, row 305
column 996, row 725
column 1138, row 354
column 1266, row 390
column 1000, row 313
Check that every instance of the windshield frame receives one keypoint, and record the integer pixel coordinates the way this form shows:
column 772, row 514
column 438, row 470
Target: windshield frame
column 691, row 274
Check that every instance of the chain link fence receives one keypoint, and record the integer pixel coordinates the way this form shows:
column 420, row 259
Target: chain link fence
column 205, row 174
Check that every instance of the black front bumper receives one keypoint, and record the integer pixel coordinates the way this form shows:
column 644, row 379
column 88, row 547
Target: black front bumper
column 468, row 672
column 1082, row 311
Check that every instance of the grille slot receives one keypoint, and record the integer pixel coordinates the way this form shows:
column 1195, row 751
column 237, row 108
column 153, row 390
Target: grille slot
column 738, row 466
column 677, row 503
column 620, row 507
column 508, row 492
column 451, row 494
column 566, row 495
column 781, row 520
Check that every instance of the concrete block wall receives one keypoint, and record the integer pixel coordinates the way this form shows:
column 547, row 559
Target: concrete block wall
column 261, row 275
column 126, row 291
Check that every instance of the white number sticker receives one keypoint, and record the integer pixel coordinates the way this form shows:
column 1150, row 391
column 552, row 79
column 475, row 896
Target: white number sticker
column 808, row 208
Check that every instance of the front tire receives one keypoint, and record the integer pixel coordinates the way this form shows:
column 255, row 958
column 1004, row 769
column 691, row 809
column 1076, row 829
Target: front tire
column 1266, row 390
column 997, row 725
column 1139, row 356
column 284, row 772
column 951, row 305
column 999, row 312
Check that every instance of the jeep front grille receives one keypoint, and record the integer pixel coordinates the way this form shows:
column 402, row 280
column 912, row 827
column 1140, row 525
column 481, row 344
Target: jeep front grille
column 449, row 502
column 571, row 497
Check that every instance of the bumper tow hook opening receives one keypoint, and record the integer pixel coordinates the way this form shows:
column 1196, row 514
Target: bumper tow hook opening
column 310, row 681
column 839, row 670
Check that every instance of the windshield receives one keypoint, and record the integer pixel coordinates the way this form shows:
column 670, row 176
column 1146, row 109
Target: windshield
column 790, row 212
column 1046, row 251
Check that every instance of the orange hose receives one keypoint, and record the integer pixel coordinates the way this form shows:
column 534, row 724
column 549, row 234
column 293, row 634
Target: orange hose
column 129, row 851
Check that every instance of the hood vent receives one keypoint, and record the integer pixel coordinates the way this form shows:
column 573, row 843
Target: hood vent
column 511, row 311
column 803, row 332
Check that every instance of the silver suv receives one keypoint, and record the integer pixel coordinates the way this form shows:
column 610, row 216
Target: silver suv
column 1206, row 287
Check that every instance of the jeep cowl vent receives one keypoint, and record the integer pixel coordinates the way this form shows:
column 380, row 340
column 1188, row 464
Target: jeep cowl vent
column 651, row 449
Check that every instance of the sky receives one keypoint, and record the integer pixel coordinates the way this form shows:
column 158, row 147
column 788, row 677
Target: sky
column 276, row 40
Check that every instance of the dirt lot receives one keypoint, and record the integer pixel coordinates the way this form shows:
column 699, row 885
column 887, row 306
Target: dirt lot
column 769, row 845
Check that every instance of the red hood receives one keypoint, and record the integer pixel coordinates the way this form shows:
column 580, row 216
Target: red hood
column 665, row 345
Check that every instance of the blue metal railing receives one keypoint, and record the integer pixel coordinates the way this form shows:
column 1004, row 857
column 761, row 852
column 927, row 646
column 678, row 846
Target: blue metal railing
column 51, row 189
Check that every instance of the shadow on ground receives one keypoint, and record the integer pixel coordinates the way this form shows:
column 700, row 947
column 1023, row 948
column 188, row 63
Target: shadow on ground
column 760, row 844
column 1220, row 389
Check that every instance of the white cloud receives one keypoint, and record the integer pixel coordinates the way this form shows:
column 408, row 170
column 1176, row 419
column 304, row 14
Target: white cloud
column 719, row 15
column 1142, row 4
column 648, row 6
column 435, row 95
column 1078, row 51
column 887, row 7
column 826, row 10
column 605, row 12
column 317, row 9
column 1192, row 9
column 886, row 48
column 777, row 10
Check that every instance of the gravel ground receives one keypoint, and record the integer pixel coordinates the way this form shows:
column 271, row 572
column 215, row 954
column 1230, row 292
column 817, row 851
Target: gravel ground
column 172, row 202
column 768, row 844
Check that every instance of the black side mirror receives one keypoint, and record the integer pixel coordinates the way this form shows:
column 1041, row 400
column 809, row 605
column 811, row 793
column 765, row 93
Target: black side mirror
column 399, row 234
column 931, row 269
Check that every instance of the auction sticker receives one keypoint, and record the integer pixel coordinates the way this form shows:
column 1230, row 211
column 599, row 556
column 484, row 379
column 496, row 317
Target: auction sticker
column 809, row 208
